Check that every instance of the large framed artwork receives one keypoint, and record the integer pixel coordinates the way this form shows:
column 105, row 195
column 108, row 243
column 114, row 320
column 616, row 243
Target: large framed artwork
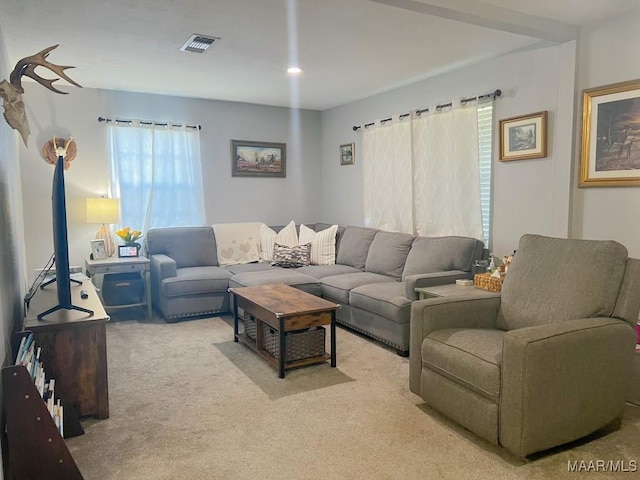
column 258, row 159
column 523, row 137
column 610, row 155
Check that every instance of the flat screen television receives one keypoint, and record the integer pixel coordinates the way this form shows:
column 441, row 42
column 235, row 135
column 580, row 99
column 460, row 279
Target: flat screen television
column 61, row 245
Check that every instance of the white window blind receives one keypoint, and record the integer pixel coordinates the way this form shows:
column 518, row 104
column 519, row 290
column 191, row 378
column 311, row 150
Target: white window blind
column 485, row 141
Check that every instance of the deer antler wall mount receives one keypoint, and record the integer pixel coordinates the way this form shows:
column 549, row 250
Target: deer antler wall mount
column 11, row 91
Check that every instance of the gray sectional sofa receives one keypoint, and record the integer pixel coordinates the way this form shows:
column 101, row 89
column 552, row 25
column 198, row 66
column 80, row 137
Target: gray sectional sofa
column 374, row 277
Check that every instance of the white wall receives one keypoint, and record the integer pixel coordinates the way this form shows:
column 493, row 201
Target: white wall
column 275, row 201
column 12, row 252
column 530, row 196
column 608, row 54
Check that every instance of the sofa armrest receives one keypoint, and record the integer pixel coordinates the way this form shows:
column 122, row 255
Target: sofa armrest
column 445, row 312
column 162, row 266
column 420, row 280
column 562, row 381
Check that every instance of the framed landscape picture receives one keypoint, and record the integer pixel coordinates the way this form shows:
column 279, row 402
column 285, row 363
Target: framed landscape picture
column 347, row 154
column 258, row 159
column 610, row 152
column 523, row 137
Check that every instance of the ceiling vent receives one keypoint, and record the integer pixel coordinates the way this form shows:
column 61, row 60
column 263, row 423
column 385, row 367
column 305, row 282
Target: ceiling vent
column 198, row 43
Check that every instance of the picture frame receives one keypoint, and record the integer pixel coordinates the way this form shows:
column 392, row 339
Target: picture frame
column 99, row 249
column 347, row 154
column 610, row 143
column 523, row 137
column 258, row 159
column 128, row 251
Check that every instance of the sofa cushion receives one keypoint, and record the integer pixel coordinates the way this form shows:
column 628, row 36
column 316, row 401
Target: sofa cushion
column 290, row 257
column 386, row 299
column 579, row 279
column 323, row 244
column 437, row 254
column 188, row 246
column 249, row 267
column 277, row 275
column 469, row 357
column 288, row 237
column 337, row 287
column 321, row 271
column 354, row 246
column 388, row 253
column 196, row 280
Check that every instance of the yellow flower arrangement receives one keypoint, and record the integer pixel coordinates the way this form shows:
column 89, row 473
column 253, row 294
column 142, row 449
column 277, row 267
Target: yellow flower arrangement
column 128, row 235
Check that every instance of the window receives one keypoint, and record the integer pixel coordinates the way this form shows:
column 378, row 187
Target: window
column 155, row 172
column 485, row 141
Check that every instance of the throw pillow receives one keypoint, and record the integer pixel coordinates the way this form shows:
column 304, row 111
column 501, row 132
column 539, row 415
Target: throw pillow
column 290, row 257
column 323, row 244
column 287, row 237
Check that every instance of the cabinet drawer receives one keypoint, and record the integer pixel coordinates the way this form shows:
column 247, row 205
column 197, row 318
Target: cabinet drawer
column 117, row 268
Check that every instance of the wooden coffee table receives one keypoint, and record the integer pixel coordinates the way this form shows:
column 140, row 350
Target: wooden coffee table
column 285, row 309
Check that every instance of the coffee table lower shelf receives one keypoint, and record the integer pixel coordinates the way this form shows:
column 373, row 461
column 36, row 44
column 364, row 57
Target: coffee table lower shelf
column 303, row 362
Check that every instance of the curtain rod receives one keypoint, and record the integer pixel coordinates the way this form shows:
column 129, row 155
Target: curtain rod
column 159, row 124
column 419, row 112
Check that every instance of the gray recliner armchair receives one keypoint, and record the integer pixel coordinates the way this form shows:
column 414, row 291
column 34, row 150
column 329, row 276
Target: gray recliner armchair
column 547, row 362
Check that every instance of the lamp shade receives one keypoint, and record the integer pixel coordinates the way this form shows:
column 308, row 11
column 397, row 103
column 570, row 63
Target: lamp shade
column 103, row 210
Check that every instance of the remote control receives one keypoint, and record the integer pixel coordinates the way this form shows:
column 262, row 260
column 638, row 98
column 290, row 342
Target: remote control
column 84, row 294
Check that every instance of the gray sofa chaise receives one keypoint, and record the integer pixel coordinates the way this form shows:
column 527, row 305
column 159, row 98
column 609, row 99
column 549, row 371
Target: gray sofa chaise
column 374, row 277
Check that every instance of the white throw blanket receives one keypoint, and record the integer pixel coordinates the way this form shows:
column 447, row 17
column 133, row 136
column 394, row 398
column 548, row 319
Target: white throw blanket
column 237, row 242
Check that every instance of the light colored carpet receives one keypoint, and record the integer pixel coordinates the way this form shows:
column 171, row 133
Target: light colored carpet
column 186, row 402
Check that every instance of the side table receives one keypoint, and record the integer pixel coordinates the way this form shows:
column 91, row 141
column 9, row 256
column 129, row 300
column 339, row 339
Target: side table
column 111, row 265
column 467, row 291
column 634, row 387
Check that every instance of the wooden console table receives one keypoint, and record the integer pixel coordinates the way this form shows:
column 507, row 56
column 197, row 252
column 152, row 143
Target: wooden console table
column 74, row 347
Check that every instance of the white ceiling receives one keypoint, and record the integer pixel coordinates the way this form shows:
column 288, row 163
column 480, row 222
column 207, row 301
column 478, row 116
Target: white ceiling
column 348, row 49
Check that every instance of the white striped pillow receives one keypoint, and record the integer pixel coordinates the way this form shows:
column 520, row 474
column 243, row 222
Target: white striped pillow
column 287, row 237
column 323, row 244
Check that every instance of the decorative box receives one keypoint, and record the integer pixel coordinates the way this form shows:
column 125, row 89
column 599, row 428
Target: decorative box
column 299, row 344
column 487, row 282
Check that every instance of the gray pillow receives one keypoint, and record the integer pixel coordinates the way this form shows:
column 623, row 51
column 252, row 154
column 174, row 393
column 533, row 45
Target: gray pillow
column 354, row 246
column 388, row 253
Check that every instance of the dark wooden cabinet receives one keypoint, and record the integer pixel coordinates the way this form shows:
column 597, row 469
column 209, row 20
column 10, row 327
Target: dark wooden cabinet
column 74, row 348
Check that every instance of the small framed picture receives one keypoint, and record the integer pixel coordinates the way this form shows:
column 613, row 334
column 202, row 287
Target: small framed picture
column 127, row 251
column 347, row 154
column 523, row 137
column 98, row 249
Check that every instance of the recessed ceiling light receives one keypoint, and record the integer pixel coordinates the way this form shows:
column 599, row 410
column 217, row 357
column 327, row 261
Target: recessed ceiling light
column 294, row 70
column 198, row 43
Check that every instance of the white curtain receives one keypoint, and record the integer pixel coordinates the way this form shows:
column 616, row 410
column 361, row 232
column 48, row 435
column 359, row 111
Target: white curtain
column 155, row 171
column 421, row 175
column 387, row 176
column 447, row 174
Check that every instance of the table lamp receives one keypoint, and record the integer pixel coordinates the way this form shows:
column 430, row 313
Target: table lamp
column 105, row 211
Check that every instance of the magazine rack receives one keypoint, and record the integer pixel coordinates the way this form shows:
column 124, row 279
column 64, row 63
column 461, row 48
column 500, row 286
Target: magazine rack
column 35, row 447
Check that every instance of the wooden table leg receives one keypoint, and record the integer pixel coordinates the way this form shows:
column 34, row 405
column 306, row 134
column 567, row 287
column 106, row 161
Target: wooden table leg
column 235, row 317
column 283, row 353
column 333, row 338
